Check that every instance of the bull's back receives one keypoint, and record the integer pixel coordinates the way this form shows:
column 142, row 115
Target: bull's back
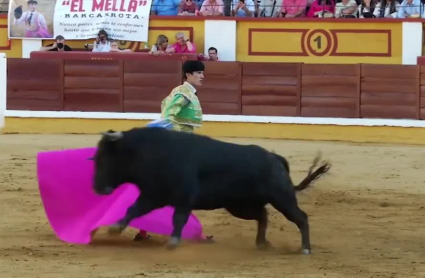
column 225, row 172
column 237, row 175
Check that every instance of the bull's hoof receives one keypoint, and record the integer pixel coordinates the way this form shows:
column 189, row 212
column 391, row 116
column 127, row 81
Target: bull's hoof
column 115, row 229
column 306, row 251
column 264, row 246
column 207, row 239
column 173, row 243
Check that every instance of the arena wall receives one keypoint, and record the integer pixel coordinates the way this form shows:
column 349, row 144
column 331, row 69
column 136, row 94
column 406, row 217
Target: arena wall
column 306, row 40
column 358, row 103
column 110, row 82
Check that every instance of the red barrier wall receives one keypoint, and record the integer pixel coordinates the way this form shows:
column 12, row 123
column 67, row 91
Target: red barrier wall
column 231, row 88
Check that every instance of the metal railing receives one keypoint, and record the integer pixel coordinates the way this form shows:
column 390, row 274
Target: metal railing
column 272, row 10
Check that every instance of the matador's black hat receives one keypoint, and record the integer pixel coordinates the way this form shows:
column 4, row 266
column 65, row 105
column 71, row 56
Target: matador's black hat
column 190, row 66
column 18, row 12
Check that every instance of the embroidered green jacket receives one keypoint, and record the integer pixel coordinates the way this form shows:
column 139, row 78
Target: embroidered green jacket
column 182, row 108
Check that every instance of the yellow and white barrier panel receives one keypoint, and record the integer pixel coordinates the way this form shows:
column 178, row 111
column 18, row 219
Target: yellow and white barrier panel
column 326, row 41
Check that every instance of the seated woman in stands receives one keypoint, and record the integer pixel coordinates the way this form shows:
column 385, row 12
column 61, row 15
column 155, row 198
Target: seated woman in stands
column 161, row 46
column 293, row 8
column 367, row 9
column 386, row 9
column 115, row 48
column 346, row 9
column 102, row 44
column 322, row 8
column 269, row 8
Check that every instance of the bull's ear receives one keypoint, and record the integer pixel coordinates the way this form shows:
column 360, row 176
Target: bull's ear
column 113, row 136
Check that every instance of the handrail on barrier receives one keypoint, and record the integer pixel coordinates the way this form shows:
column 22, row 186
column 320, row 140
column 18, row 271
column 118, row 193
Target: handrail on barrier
column 3, row 80
column 109, row 56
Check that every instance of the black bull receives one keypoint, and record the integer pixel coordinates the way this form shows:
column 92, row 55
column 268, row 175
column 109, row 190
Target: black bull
column 194, row 172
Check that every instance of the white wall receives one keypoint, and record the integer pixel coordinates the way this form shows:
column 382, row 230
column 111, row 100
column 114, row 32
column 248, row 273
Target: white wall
column 3, row 80
column 221, row 34
column 412, row 42
column 30, row 45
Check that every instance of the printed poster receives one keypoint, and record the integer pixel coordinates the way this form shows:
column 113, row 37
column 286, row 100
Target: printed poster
column 79, row 19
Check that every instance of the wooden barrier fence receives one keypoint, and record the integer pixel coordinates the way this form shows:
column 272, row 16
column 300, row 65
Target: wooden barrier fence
column 232, row 88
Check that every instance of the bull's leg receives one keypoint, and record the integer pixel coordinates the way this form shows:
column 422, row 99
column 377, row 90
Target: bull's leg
column 139, row 208
column 288, row 206
column 180, row 218
column 254, row 213
column 261, row 240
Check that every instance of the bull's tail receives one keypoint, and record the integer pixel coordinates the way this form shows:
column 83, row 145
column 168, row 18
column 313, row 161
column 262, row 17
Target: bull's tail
column 312, row 176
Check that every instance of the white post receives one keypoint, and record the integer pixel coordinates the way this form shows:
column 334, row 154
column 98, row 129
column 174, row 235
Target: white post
column 411, row 42
column 3, row 80
column 221, row 34
column 29, row 46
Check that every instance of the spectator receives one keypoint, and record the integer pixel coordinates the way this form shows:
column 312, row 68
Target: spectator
column 58, row 45
column 182, row 45
column 409, row 8
column 346, row 9
column 293, row 8
column 198, row 3
column 269, row 8
column 212, row 55
column 322, row 8
column 115, row 48
column 188, row 7
column 367, row 8
column 386, row 9
column 102, row 44
column 212, row 8
column 309, row 2
column 165, row 7
column 161, row 46
column 244, row 8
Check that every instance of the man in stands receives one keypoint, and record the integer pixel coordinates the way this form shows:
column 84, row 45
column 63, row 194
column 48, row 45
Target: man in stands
column 182, row 45
column 212, row 8
column 410, row 9
column 243, row 8
column 212, row 55
column 165, row 7
column 58, row 45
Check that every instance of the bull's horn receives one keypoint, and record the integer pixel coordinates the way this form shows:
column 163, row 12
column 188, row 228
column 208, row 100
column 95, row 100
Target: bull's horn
column 113, row 136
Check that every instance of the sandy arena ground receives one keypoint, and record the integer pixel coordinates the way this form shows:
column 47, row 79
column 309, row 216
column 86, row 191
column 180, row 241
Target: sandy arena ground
column 367, row 219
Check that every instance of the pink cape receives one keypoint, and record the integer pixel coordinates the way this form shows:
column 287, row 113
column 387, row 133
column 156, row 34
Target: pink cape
column 65, row 181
